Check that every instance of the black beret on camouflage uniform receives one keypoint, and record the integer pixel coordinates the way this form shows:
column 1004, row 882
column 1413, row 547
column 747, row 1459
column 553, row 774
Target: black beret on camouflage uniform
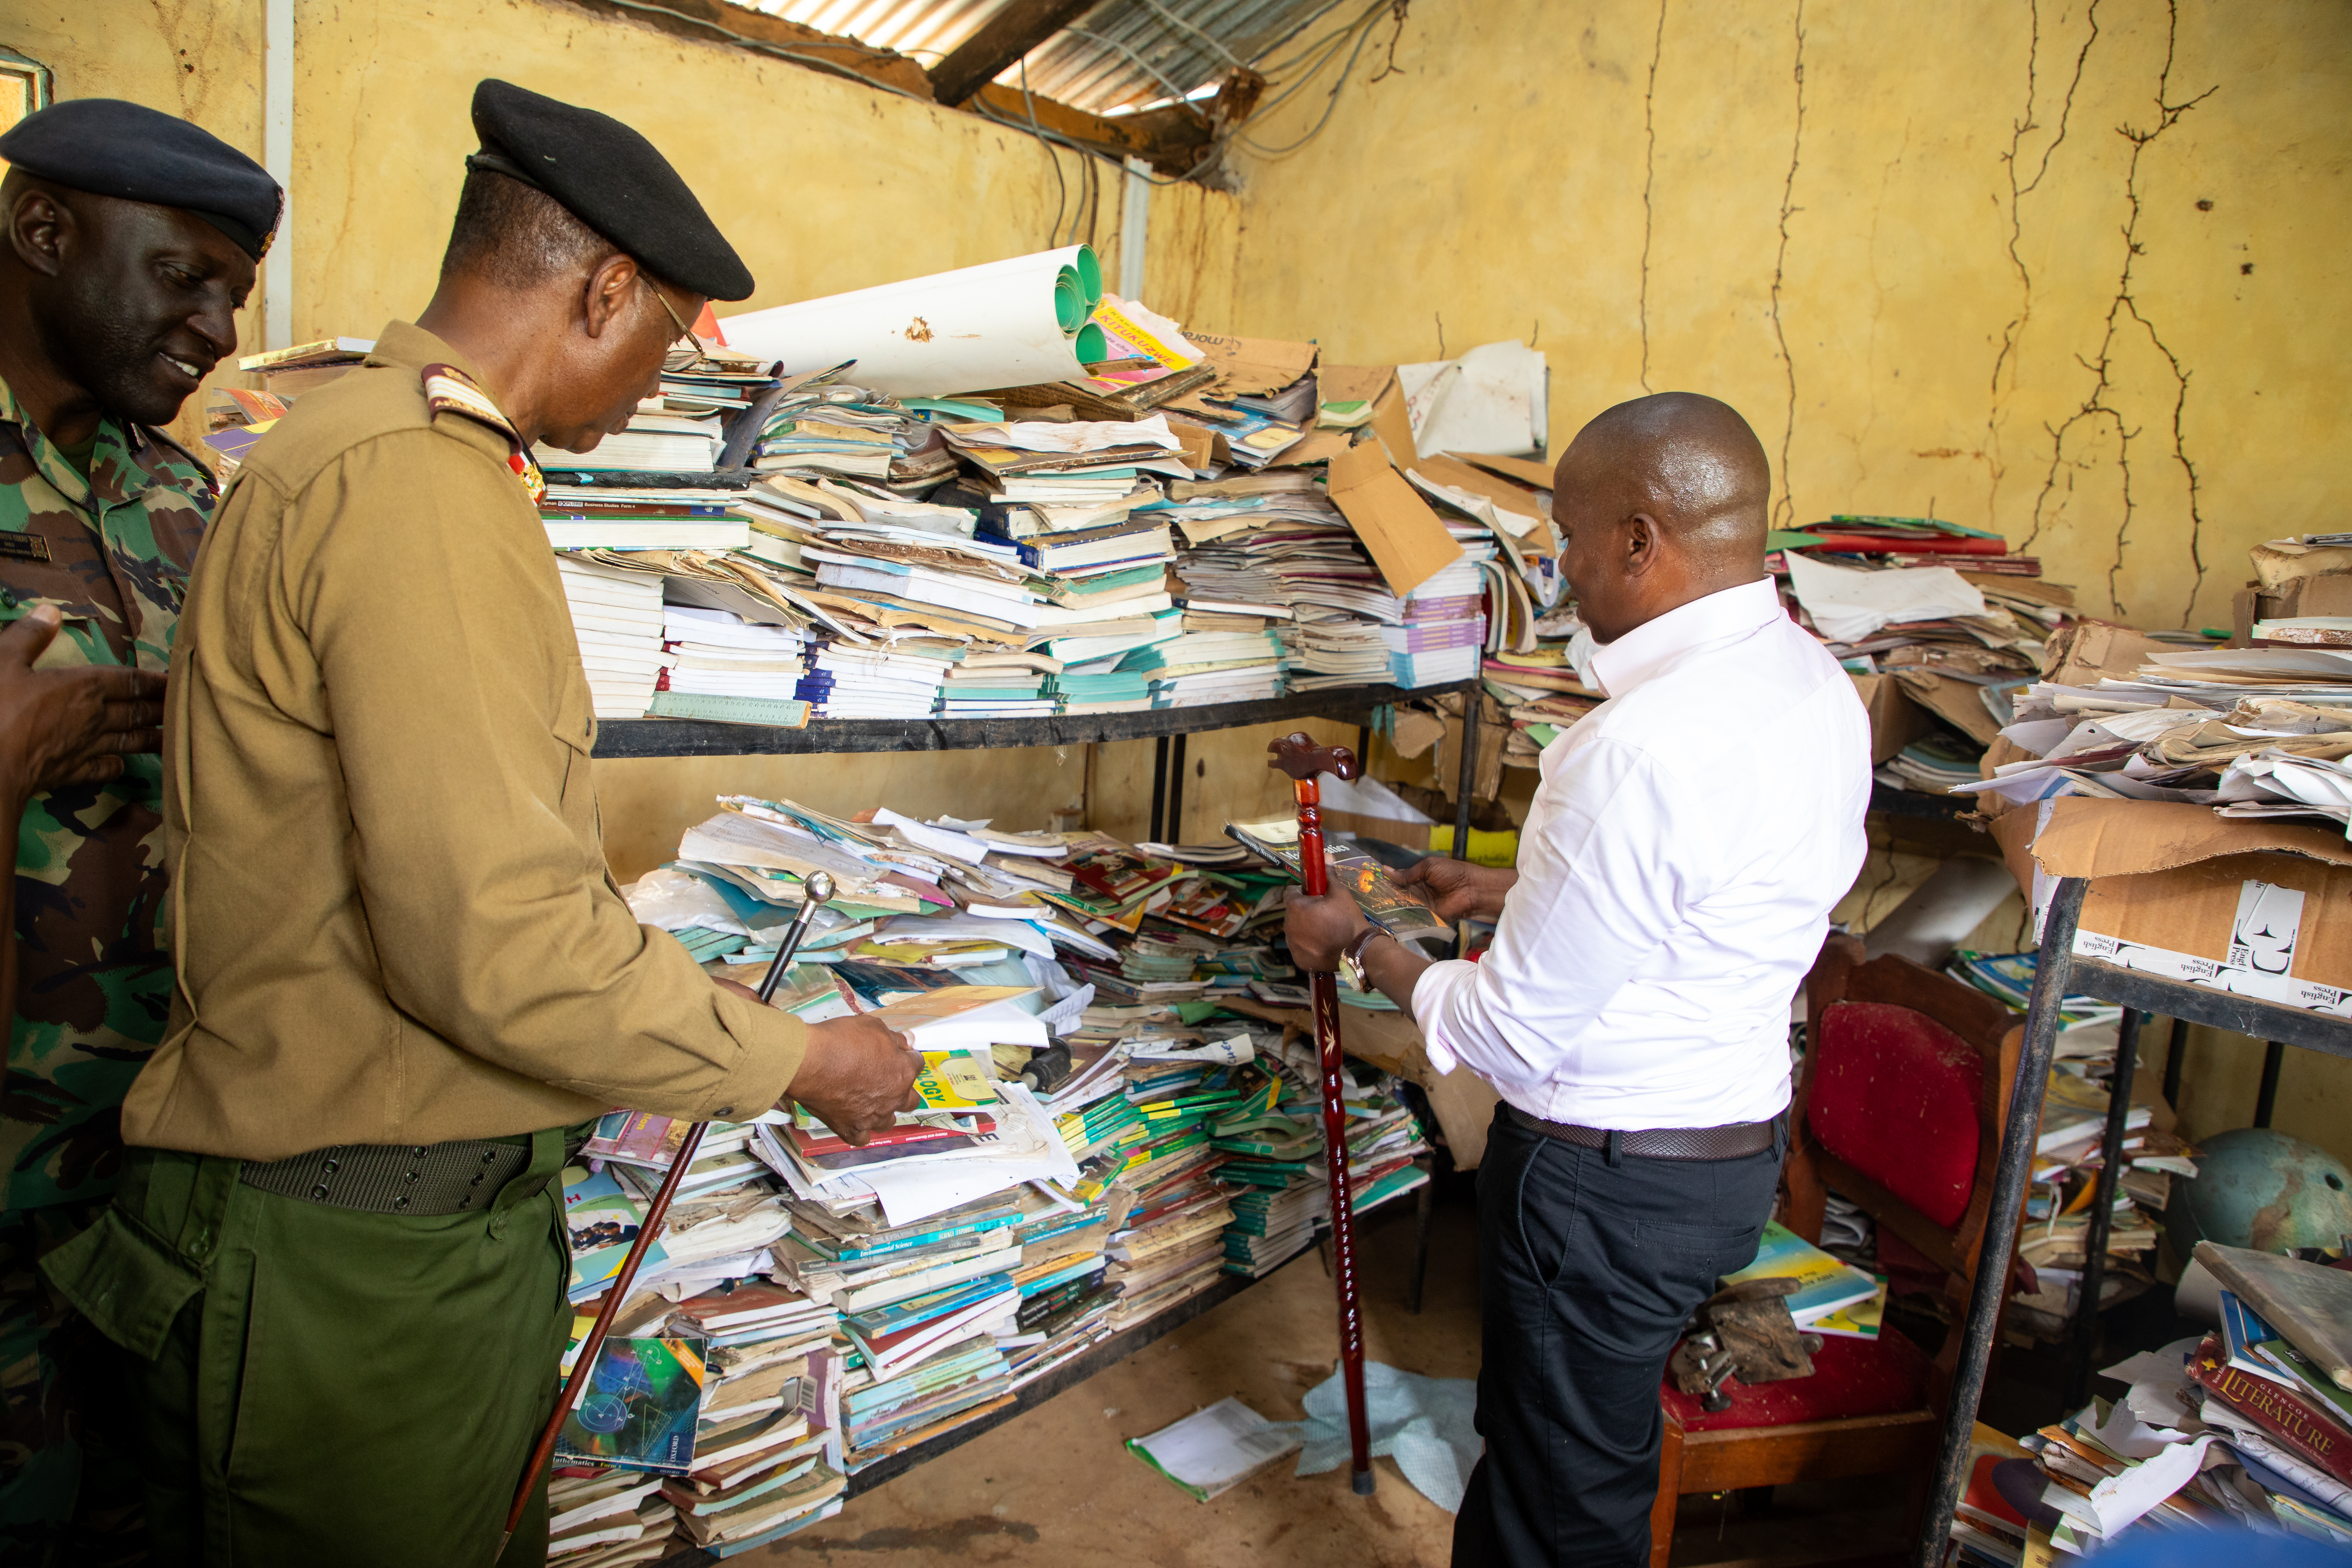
column 610, row 178
column 111, row 148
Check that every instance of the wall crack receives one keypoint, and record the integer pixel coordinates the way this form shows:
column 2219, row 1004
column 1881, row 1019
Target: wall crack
column 1649, row 177
column 1785, row 508
column 2097, row 410
column 2020, row 130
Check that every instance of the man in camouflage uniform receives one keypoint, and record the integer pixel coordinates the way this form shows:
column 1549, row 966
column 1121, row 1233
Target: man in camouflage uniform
column 131, row 240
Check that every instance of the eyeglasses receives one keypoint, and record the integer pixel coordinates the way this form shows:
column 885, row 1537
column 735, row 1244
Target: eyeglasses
column 685, row 334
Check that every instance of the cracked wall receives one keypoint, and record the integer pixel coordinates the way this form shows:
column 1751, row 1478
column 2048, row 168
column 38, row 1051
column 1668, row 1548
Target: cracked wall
column 1955, row 257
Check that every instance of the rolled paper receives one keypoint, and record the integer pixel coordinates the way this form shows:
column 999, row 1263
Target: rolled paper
column 1013, row 322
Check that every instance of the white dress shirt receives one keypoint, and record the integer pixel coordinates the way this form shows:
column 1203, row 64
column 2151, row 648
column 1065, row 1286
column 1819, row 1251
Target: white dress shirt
column 1677, row 872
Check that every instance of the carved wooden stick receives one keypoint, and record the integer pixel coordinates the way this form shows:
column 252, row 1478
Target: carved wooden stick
column 1299, row 756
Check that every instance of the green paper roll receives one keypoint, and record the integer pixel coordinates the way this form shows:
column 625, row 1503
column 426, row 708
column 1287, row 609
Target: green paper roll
column 1091, row 347
column 1070, row 307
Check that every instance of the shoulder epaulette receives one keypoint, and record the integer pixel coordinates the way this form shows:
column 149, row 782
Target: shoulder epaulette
column 448, row 390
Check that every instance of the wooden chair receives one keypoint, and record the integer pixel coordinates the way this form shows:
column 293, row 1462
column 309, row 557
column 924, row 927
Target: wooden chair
column 1899, row 1106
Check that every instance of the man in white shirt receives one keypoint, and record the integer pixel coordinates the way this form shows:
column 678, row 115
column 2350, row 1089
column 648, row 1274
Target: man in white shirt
column 1675, row 874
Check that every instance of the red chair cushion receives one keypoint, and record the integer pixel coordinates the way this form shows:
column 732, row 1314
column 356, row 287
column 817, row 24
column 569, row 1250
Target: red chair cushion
column 1884, row 1376
column 1894, row 1095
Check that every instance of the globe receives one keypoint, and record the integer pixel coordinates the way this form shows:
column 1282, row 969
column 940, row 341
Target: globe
column 2261, row 1189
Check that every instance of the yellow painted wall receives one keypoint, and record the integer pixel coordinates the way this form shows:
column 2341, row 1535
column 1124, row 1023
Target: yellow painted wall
column 1947, row 254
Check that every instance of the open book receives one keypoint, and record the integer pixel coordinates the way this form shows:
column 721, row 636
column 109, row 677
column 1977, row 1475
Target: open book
column 1276, row 841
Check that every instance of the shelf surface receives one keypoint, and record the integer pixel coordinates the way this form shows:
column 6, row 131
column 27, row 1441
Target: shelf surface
column 698, row 738
column 2212, row 1006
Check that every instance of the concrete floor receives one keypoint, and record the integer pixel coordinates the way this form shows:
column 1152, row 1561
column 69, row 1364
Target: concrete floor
column 1057, row 1486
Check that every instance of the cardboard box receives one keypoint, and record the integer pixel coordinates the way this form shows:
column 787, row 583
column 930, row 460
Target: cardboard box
column 1403, row 536
column 1895, row 719
column 2262, row 909
column 2087, row 650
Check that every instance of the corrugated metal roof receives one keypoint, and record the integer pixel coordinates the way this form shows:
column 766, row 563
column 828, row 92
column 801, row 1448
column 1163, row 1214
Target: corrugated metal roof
column 1121, row 56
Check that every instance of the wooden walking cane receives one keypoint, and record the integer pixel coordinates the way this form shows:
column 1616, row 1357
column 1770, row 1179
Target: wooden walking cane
column 814, row 890
column 1303, row 759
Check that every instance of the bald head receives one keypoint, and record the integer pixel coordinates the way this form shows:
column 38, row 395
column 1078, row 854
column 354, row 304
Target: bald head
column 1665, row 499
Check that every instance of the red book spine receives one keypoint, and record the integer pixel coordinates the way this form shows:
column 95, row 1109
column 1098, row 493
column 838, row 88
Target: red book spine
column 2283, row 1413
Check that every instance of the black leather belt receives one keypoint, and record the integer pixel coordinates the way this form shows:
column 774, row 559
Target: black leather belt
column 1732, row 1141
column 418, row 1180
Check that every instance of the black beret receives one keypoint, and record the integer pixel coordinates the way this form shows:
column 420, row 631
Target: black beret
column 111, row 148
column 610, row 178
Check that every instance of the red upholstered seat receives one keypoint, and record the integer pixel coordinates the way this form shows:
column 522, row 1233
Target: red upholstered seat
column 1895, row 1095
column 1884, row 1376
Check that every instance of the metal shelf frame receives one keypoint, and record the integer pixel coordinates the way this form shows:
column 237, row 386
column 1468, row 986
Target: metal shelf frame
column 2058, row 974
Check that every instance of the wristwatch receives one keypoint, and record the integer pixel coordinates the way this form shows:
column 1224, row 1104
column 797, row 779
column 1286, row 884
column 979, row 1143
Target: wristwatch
column 1353, row 955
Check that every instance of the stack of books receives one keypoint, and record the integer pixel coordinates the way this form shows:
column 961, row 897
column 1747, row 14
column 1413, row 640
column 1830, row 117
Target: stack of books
column 2251, row 1425
column 618, row 616
column 1066, row 1176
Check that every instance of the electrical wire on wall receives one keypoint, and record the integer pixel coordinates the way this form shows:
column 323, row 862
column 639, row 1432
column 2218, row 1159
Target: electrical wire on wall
column 1315, row 56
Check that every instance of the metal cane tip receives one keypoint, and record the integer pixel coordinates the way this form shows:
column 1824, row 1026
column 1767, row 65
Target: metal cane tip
column 817, row 888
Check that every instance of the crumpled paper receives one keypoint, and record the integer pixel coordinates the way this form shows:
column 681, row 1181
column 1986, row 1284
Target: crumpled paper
column 1425, row 1423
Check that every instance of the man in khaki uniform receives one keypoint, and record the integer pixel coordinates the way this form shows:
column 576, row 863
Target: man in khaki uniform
column 403, row 969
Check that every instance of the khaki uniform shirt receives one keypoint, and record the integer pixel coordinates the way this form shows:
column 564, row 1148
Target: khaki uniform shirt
column 112, row 550
column 392, row 918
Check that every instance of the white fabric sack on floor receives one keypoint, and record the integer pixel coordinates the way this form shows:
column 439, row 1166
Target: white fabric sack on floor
column 1425, row 1423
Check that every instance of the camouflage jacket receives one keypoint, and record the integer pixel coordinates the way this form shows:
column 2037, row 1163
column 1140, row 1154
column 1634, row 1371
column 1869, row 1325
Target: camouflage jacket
column 94, row 971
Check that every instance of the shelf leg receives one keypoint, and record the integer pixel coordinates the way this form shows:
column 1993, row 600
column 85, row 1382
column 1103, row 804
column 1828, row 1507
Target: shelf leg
column 1466, row 776
column 2266, row 1097
column 2102, row 1209
column 2175, row 1055
column 1158, row 790
column 1425, row 1201
column 1176, row 793
column 2019, row 1129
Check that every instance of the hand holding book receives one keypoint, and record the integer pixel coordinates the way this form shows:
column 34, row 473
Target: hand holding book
column 1457, row 890
column 856, row 1076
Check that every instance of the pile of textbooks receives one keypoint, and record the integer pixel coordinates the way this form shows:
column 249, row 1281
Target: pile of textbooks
column 2071, row 1150
column 2249, row 1425
column 1119, row 1109
column 1164, row 533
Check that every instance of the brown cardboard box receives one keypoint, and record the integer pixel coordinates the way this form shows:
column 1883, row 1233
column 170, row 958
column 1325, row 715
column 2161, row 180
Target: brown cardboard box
column 1405, row 539
column 1960, row 703
column 1895, row 719
column 2258, row 907
column 2086, row 650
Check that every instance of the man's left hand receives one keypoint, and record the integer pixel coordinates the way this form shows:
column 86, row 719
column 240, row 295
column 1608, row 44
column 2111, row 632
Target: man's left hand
column 1318, row 930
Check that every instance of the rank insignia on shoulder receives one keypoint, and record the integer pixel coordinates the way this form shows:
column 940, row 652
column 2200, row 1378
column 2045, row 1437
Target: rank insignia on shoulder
column 448, row 390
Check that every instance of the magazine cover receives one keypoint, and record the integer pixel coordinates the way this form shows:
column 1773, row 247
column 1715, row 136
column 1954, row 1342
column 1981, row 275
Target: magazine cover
column 639, row 1408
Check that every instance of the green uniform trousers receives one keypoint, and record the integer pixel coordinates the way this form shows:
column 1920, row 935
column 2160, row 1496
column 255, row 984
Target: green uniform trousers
column 70, row 1487
column 327, row 1387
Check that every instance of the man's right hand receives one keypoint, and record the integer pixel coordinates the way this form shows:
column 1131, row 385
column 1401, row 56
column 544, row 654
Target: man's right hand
column 1456, row 889
column 68, row 726
column 856, row 1076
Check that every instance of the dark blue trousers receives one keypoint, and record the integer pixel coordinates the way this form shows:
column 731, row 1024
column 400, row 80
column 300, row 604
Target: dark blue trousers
column 1587, row 1272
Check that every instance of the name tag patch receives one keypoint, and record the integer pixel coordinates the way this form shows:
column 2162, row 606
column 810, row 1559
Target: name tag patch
column 23, row 546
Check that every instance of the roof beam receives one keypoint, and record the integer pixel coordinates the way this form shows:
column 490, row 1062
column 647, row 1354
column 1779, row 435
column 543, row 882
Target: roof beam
column 1003, row 39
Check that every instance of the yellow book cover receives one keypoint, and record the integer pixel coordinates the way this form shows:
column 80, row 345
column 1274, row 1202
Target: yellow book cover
column 955, row 1080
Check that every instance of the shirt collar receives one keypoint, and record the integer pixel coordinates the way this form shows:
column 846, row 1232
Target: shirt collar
column 1660, row 643
column 114, row 458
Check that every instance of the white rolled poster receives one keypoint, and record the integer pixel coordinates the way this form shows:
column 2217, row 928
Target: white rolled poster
column 1013, row 322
